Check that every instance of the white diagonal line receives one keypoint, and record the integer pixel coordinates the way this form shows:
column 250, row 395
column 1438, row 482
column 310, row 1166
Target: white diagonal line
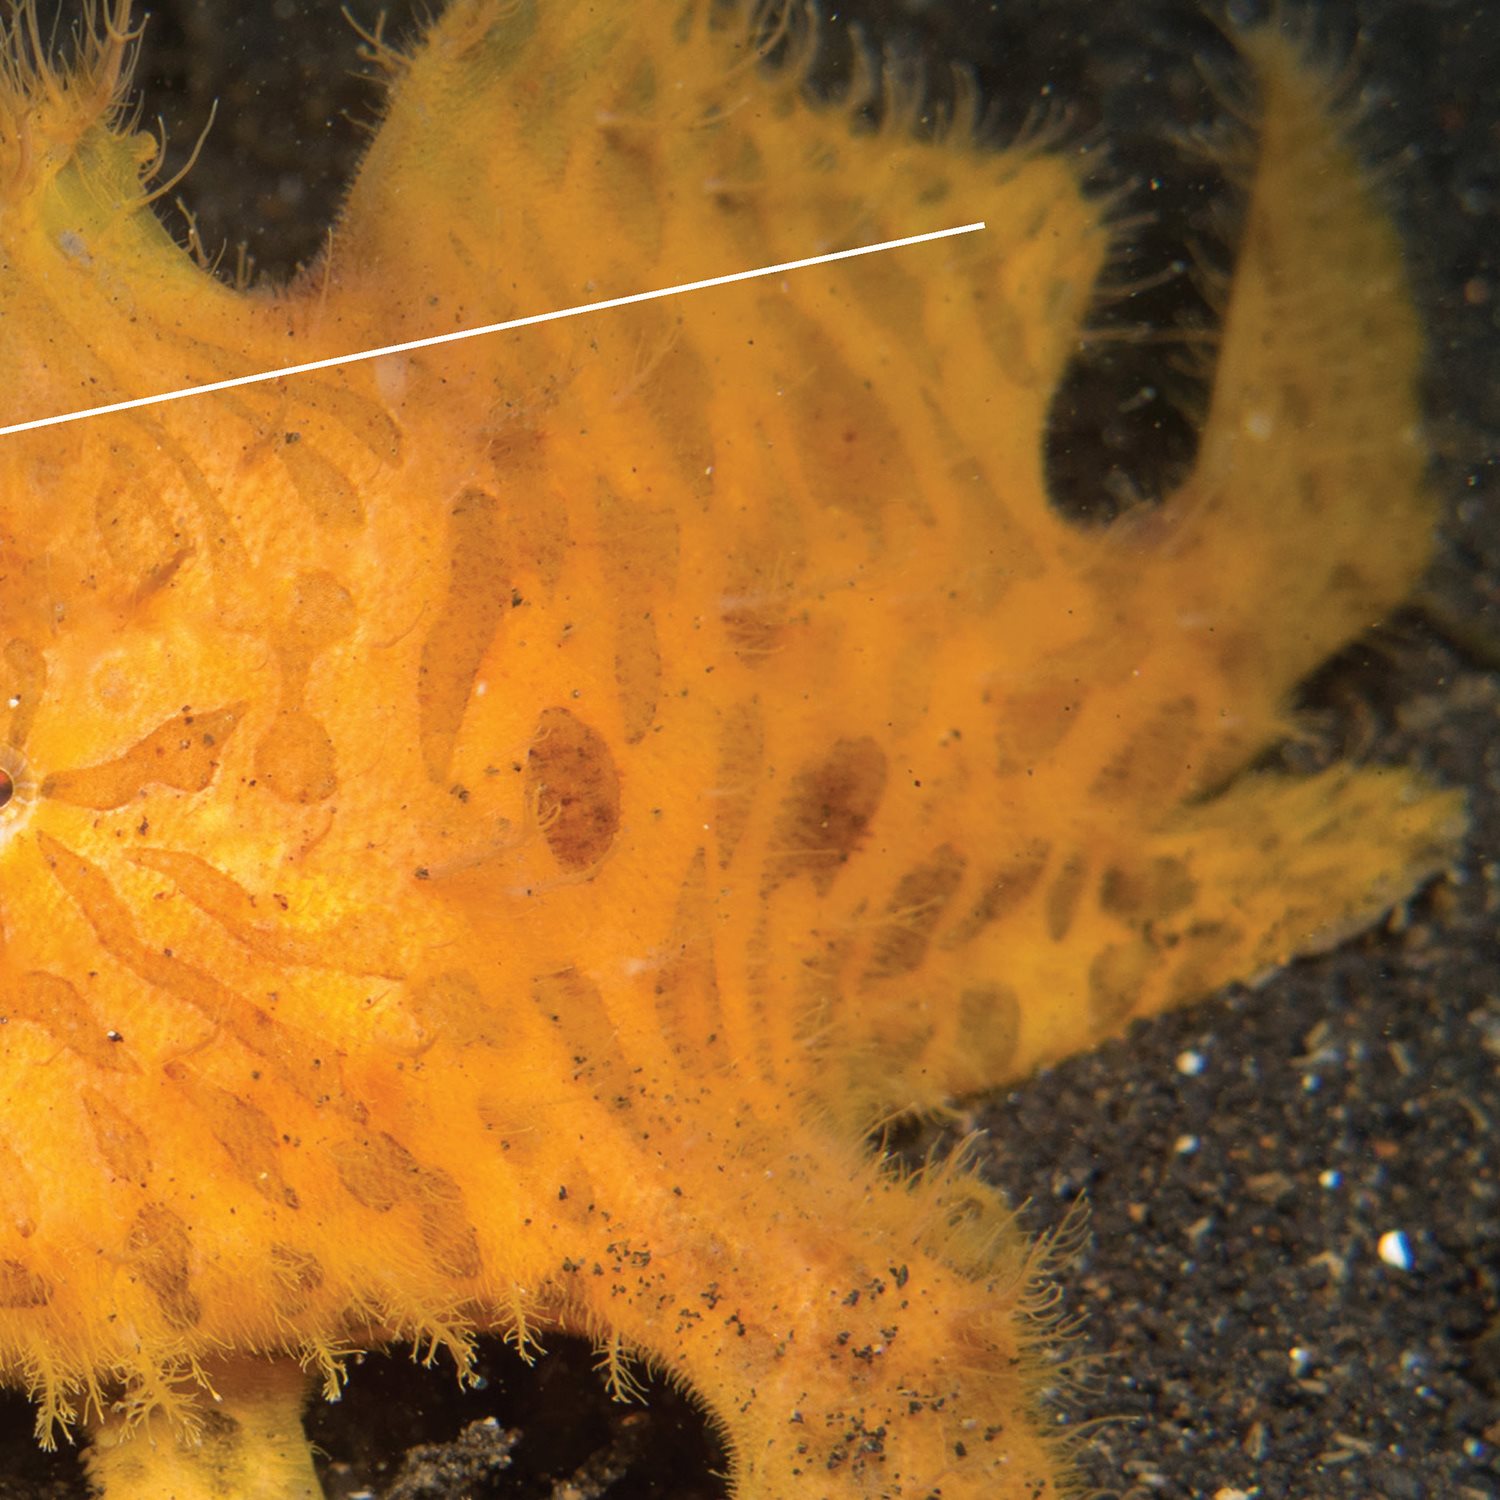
column 486, row 328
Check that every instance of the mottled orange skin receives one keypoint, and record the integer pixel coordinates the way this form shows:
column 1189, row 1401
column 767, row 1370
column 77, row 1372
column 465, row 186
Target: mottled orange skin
column 494, row 826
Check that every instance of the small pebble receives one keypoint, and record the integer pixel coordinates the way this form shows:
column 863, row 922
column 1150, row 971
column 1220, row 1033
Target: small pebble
column 1395, row 1249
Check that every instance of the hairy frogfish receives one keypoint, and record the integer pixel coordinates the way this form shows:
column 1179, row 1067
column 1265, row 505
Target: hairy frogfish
column 489, row 830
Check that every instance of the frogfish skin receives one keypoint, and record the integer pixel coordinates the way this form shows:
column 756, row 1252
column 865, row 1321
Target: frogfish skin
column 489, row 831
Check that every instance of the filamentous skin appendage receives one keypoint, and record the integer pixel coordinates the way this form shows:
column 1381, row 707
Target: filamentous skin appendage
column 486, row 832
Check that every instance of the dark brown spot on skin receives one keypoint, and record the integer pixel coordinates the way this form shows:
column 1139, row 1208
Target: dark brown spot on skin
column 989, row 1020
column 1155, row 760
column 182, row 753
column 244, row 1131
column 318, row 612
column 574, row 1007
column 1062, row 897
column 377, row 1171
column 323, row 487
column 637, row 671
column 571, row 773
column 1204, row 960
column 1002, row 893
column 742, row 749
column 916, row 907
column 52, row 1003
column 446, row 1230
column 160, row 1243
column 135, row 528
column 298, row 1276
column 119, row 1140
column 20, row 1287
column 294, row 760
column 753, row 632
column 380, row 1173
column 1156, row 889
column 687, row 986
column 1035, row 723
column 476, row 601
column 451, row 1007
column 1115, row 979
column 826, row 812
column 24, row 682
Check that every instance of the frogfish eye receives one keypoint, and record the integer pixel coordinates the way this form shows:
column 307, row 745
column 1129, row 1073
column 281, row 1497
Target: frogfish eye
column 16, row 788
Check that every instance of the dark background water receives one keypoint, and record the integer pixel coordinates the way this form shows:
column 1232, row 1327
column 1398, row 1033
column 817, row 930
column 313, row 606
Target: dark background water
column 1249, row 1336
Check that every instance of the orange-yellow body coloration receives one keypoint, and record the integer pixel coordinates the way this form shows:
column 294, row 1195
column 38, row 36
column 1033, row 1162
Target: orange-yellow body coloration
column 493, row 826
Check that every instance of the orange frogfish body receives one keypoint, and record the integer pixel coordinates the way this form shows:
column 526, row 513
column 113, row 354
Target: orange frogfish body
column 487, row 830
